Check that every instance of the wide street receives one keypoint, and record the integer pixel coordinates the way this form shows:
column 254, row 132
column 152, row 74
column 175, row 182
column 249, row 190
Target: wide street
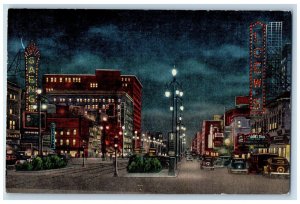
column 97, row 177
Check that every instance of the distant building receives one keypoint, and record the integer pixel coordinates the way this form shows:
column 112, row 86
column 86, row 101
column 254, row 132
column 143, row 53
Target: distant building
column 210, row 133
column 13, row 113
column 74, row 134
column 106, row 92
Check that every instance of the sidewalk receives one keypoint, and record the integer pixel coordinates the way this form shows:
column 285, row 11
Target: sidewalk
column 162, row 173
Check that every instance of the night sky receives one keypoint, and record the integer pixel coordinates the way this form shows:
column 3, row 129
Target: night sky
column 210, row 50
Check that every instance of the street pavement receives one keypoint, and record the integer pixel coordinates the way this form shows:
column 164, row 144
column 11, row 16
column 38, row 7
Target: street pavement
column 96, row 177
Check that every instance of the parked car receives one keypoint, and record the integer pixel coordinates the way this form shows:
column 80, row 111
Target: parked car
column 189, row 158
column 11, row 159
column 207, row 163
column 277, row 165
column 21, row 158
column 222, row 161
column 238, row 165
column 258, row 161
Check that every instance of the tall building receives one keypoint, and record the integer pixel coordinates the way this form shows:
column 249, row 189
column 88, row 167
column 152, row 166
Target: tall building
column 13, row 112
column 102, row 93
column 209, row 137
column 274, row 57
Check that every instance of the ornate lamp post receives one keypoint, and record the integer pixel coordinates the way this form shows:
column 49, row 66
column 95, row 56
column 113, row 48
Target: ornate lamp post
column 116, row 140
column 174, row 91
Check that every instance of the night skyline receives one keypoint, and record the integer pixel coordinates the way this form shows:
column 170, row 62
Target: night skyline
column 210, row 50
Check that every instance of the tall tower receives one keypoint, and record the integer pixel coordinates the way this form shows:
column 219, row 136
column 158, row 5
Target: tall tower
column 32, row 58
column 274, row 57
column 258, row 59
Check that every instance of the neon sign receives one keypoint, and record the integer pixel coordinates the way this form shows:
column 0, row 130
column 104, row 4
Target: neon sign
column 32, row 57
column 257, row 67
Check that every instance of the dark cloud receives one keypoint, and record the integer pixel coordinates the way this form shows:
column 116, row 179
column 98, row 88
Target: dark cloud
column 209, row 49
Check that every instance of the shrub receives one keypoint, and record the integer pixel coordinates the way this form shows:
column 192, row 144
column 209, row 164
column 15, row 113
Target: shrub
column 37, row 163
column 48, row 162
column 144, row 164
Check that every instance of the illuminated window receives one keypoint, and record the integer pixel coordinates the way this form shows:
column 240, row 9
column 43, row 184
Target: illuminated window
column 79, row 80
column 103, row 106
column 68, row 132
column 96, row 100
column 80, row 100
column 88, row 106
column 47, row 79
column 55, row 140
column 74, row 132
column 74, row 142
column 126, row 85
column 70, row 100
column 10, row 111
column 51, row 79
column 77, row 99
column 88, row 100
column 122, row 78
column 67, row 142
column 69, row 80
column 93, row 100
column 54, row 79
column 61, row 132
column 12, row 124
column 66, row 79
column 128, row 79
column 10, row 96
column 54, row 99
column 60, row 79
column 239, row 124
column 85, row 100
column 104, row 100
column 55, row 133
column 109, row 100
column 93, row 85
column 61, row 142
column 125, row 79
column 113, row 100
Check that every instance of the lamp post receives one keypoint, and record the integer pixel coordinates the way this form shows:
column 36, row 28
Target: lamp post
column 83, row 147
column 116, row 147
column 104, row 128
column 174, row 91
column 39, row 108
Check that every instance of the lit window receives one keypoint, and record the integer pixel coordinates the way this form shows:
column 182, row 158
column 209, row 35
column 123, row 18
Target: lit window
column 74, row 132
column 109, row 100
column 10, row 111
column 61, row 142
column 54, row 79
column 79, row 79
column 54, row 99
column 126, row 85
column 128, row 79
column 85, row 100
column 61, row 132
column 70, row 100
column 80, row 100
column 239, row 124
column 60, row 79
column 66, row 79
column 68, row 132
column 55, row 133
column 122, row 78
column 67, row 142
column 96, row 100
column 55, row 140
column 74, row 142
column 93, row 100
column 77, row 99
column 113, row 100
column 88, row 100
column 104, row 100
column 51, row 79
column 125, row 79
column 10, row 96
column 47, row 79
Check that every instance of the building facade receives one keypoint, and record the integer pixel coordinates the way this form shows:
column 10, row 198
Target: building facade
column 102, row 93
column 276, row 122
column 13, row 113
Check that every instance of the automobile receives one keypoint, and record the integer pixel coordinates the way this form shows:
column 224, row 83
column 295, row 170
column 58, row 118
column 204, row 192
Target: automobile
column 238, row 165
column 277, row 165
column 11, row 159
column 258, row 161
column 207, row 163
column 189, row 158
column 222, row 161
column 21, row 158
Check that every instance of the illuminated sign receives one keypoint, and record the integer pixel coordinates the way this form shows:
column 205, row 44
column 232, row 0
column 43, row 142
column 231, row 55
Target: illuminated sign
column 255, row 140
column 257, row 67
column 32, row 57
column 31, row 120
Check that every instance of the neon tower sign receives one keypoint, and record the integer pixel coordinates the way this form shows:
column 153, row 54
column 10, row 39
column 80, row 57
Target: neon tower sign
column 32, row 58
column 257, row 68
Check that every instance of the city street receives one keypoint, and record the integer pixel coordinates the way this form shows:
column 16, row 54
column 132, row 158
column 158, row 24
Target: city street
column 97, row 177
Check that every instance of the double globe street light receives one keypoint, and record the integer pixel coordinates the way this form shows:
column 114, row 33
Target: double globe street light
column 174, row 91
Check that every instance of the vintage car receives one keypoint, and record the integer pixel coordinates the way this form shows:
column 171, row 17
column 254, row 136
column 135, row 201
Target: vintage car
column 207, row 163
column 277, row 165
column 258, row 161
column 238, row 165
column 189, row 158
column 222, row 161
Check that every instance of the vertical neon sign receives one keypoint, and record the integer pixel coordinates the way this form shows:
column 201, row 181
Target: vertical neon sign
column 257, row 67
column 32, row 58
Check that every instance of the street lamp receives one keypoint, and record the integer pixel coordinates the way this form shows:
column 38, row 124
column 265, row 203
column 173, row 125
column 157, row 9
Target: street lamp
column 116, row 147
column 40, row 106
column 173, row 90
